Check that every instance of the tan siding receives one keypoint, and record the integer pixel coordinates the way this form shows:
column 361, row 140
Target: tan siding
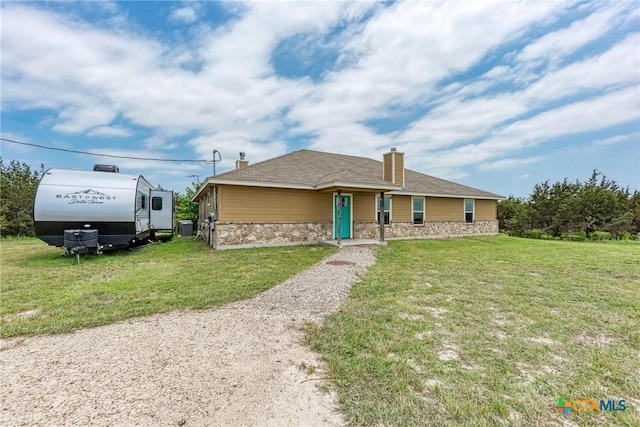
column 401, row 209
column 444, row 209
column 399, row 169
column 486, row 210
column 387, row 167
column 254, row 204
column 364, row 207
column 220, row 202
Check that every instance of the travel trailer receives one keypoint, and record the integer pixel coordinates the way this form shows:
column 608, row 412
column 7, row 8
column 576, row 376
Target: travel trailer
column 100, row 209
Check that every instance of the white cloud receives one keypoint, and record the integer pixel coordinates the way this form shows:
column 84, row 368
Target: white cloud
column 524, row 176
column 557, row 44
column 221, row 91
column 230, row 144
column 110, row 131
column 186, row 14
column 510, row 163
column 616, row 139
column 580, row 117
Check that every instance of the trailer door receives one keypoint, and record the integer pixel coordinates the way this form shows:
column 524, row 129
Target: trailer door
column 162, row 210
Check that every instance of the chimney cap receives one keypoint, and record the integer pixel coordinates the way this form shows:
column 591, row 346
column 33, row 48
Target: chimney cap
column 242, row 154
column 394, row 149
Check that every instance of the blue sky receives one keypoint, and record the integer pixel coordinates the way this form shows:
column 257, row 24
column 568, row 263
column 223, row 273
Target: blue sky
column 496, row 95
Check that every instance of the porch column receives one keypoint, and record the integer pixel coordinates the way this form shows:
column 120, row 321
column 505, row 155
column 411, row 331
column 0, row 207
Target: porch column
column 381, row 216
column 338, row 204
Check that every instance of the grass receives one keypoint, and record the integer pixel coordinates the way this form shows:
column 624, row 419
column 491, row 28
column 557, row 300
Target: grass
column 45, row 293
column 488, row 331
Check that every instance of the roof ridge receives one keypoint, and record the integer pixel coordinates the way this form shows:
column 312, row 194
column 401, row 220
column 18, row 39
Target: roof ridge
column 260, row 162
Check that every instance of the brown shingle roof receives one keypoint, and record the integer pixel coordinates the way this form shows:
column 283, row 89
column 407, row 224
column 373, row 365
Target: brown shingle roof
column 316, row 169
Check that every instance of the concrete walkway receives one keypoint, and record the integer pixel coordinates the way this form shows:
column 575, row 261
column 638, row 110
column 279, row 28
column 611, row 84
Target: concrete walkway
column 353, row 242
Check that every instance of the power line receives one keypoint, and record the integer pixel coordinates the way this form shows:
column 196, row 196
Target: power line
column 106, row 155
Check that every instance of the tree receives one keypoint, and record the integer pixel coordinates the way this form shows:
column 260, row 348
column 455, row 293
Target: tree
column 18, row 184
column 185, row 208
column 597, row 204
column 514, row 214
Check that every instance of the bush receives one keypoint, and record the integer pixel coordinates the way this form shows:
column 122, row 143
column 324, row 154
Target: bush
column 533, row 234
column 579, row 236
column 600, row 235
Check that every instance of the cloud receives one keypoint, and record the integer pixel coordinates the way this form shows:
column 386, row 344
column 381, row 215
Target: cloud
column 444, row 66
column 616, row 139
column 110, row 131
column 230, row 144
column 186, row 14
column 524, row 176
column 555, row 45
column 510, row 163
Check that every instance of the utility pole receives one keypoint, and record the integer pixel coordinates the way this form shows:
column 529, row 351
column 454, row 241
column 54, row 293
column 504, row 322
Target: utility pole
column 214, row 161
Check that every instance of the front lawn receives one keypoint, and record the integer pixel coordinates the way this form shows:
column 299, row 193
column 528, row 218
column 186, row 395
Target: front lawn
column 488, row 331
column 43, row 292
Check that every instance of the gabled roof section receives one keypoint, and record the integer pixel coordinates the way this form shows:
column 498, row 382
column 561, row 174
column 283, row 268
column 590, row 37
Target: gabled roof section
column 316, row 170
column 422, row 184
column 307, row 167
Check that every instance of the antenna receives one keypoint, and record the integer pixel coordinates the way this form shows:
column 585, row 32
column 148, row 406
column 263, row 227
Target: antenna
column 197, row 177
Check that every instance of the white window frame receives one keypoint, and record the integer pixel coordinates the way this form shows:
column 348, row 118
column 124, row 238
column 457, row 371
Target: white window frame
column 424, row 208
column 377, row 212
column 473, row 211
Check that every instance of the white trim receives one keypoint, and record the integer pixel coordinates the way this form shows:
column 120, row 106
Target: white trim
column 389, row 187
column 450, row 196
column 333, row 203
column 464, row 211
column 424, row 209
column 377, row 205
column 268, row 184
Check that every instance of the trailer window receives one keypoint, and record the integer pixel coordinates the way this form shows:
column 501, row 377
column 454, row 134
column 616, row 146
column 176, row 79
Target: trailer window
column 156, row 203
column 143, row 202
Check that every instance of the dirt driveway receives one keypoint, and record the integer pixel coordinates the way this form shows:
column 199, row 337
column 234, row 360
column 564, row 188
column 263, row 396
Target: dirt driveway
column 242, row 364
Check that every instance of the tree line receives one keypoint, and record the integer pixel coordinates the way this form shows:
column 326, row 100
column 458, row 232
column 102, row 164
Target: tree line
column 18, row 184
column 596, row 209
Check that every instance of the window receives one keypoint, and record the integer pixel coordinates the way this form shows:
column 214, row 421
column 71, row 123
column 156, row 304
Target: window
column 418, row 210
column 156, row 203
column 387, row 210
column 468, row 210
column 143, row 202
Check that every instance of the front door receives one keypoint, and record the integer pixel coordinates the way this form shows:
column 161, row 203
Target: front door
column 342, row 203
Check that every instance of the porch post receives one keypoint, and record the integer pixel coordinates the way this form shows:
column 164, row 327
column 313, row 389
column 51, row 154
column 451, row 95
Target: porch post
column 338, row 204
column 381, row 216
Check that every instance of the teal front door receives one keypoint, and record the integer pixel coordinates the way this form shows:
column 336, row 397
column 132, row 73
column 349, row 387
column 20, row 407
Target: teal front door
column 343, row 203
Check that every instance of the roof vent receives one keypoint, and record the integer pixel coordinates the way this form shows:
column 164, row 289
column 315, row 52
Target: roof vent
column 106, row 168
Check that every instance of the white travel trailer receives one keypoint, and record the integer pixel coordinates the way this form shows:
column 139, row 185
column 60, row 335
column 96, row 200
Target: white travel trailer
column 117, row 209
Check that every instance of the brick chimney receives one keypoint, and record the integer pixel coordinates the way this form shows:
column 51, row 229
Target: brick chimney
column 242, row 163
column 393, row 170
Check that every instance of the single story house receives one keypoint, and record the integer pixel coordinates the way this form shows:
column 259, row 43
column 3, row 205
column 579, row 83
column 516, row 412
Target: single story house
column 311, row 196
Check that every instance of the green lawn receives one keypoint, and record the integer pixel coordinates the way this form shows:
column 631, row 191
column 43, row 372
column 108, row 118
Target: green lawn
column 43, row 292
column 488, row 331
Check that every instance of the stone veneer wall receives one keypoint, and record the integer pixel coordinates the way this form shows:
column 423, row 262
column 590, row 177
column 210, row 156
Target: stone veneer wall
column 260, row 233
column 399, row 230
column 226, row 234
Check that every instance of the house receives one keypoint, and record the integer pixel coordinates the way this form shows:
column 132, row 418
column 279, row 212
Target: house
column 311, row 196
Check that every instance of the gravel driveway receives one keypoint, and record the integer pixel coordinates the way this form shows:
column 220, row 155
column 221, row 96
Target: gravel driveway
column 242, row 364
